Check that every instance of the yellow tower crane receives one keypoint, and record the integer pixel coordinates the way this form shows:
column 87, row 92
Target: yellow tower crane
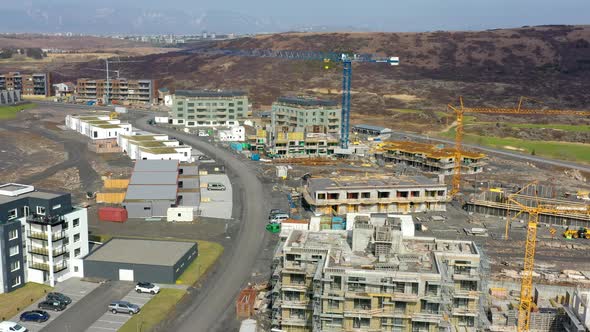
column 526, row 287
column 461, row 110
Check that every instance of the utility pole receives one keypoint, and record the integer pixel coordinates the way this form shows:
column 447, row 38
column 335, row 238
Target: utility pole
column 107, row 101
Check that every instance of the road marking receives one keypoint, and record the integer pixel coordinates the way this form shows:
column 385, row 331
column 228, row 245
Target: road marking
column 102, row 328
column 110, row 321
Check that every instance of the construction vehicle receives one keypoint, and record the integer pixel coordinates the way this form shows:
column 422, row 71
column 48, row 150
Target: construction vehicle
column 526, row 304
column 461, row 110
column 113, row 115
column 582, row 233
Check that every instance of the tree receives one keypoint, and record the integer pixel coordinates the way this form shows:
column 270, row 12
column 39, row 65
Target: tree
column 533, row 152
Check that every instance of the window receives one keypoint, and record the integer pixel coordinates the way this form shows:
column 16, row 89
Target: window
column 358, row 322
column 77, row 252
column 13, row 234
column 76, row 222
column 321, row 196
column 14, row 266
column 366, row 195
column 16, row 281
column 76, row 237
column 76, row 269
column 333, row 304
column 147, row 208
column 41, row 210
column 14, row 250
column 12, row 214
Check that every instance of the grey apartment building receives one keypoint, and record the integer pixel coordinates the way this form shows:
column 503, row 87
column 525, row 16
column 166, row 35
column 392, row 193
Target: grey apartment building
column 297, row 113
column 192, row 108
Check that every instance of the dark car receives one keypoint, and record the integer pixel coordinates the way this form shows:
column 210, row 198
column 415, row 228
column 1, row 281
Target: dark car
column 54, row 296
column 52, row 305
column 38, row 316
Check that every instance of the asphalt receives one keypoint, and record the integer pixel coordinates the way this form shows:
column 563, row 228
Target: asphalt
column 90, row 308
column 212, row 305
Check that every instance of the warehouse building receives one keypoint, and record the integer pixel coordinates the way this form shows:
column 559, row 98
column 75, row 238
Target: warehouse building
column 299, row 112
column 209, row 108
column 140, row 260
column 37, row 84
column 157, row 185
column 377, row 194
column 370, row 130
column 375, row 279
column 121, row 89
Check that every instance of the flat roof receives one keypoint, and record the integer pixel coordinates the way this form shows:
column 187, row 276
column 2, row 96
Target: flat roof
column 156, row 166
column 151, row 192
column 301, row 101
column 138, row 251
column 159, row 178
column 316, row 184
column 210, row 94
column 370, row 127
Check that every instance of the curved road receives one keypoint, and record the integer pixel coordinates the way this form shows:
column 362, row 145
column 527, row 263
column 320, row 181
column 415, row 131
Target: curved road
column 209, row 310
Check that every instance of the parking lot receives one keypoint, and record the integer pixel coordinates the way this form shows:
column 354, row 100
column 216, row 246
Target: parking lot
column 73, row 287
column 112, row 322
column 216, row 203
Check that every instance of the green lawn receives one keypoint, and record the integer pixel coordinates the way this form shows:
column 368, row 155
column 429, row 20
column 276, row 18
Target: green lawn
column 208, row 254
column 10, row 112
column 13, row 302
column 574, row 128
column 153, row 312
column 412, row 111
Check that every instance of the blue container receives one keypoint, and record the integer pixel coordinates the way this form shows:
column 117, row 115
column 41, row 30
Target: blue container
column 338, row 226
column 255, row 157
column 339, row 220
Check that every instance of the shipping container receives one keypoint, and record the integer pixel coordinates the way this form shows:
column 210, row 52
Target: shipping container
column 338, row 226
column 112, row 214
column 116, row 183
column 110, row 198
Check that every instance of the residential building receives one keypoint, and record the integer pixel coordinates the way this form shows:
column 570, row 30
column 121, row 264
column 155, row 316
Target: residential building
column 98, row 127
column 209, row 108
column 377, row 194
column 376, row 280
column 148, row 146
column 42, row 235
column 157, row 185
column 302, row 144
column 37, row 84
column 430, row 158
column 64, row 89
column 125, row 91
column 297, row 113
column 258, row 141
column 9, row 97
column 232, row 134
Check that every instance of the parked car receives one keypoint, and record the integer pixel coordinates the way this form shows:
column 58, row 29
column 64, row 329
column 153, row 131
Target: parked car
column 274, row 211
column 38, row 316
column 55, row 296
column 215, row 186
column 278, row 218
column 123, row 307
column 52, row 305
column 8, row 326
column 146, row 287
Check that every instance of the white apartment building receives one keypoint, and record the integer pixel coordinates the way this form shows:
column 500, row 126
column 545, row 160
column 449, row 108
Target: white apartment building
column 97, row 126
column 144, row 145
column 233, row 134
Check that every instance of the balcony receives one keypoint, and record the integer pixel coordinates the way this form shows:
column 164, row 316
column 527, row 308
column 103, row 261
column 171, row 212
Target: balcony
column 466, row 311
column 44, row 220
column 45, row 251
column 430, row 317
column 45, row 267
column 55, row 236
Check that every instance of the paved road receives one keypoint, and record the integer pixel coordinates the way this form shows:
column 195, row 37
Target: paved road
column 512, row 155
column 90, row 308
column 209, row 310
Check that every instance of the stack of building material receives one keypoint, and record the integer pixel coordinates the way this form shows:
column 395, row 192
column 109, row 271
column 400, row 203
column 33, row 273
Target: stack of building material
column 245, row 303
column 325, row 222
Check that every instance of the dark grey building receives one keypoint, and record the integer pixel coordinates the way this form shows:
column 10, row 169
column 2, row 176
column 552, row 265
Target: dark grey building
column 140, row 260
column 8, row 97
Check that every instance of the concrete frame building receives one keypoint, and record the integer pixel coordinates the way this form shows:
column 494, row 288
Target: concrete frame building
column 297, row 113
column 430, row 158
column 42, row 235
column 375, row 281
column 148, row 146
column 8, row 97
column 302, row 144
column 193, row 108
column 37, row 84
column 122, row 90
column 157, row 185
column 403, row 194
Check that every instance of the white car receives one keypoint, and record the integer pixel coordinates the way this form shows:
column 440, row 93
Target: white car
column 146, row 287
column 8, row 326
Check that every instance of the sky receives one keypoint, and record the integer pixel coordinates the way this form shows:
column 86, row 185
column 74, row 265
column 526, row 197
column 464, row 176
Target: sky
column 373, row 15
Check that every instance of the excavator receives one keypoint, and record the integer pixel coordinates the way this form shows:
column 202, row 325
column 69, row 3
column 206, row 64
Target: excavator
column 583, row 233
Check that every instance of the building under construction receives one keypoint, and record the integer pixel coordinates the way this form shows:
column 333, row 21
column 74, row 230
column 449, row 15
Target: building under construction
column 384, row 194
column 494, row 201
column 429, row 157
column 376, row 280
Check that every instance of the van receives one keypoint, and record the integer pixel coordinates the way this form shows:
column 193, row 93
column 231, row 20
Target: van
column 215, row 186
column 278, row 218
column 8, row 326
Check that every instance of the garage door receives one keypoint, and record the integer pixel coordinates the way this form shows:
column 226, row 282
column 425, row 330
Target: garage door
column 126, row 275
